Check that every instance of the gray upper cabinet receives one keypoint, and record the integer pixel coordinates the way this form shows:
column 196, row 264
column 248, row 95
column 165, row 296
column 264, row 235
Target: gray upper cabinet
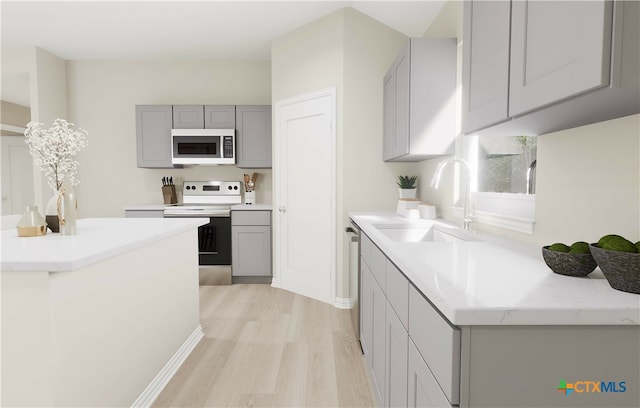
column 419, row 101
column 398, row 109
column 534, row 67
column 485, row 66
column 389, row 114
column 153, row 136
column 253, row 136
column 219, row 117
column 188, row 117
column 204, row 116
column 561, row 49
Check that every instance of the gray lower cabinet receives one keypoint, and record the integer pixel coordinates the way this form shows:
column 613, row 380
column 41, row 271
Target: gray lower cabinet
column 419, row 116
column 373, row 332
column 366, row 301
column 438, row 342
column 534, row 67
column 417, row 358
column 423, row 389
column 251, row 245
column 153, row 136
column 383, row 335
column 188, row 117
column 253, row 136
column 397, row 342
column 394, row 316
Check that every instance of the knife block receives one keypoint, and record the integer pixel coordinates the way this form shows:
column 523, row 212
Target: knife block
column 169, row 194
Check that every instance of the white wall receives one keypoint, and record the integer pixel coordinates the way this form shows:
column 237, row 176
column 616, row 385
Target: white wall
column 47, row 82
column 102, row 97
column 351, row 51
column 588, row 183
column 365, row 182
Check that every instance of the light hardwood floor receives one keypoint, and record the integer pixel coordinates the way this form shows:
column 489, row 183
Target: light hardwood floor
column 266, row 347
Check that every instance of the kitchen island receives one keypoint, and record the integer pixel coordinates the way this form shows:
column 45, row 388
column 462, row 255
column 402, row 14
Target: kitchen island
column 483, row 322
column 101, row 318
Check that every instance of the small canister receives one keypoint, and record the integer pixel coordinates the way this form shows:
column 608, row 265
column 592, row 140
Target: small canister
column 427, row 211
column 31, row 224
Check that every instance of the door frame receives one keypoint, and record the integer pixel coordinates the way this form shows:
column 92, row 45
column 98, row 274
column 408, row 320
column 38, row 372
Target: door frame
column 278, row 195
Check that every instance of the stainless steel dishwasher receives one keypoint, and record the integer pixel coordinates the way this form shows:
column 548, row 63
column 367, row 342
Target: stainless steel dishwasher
column 354, row 276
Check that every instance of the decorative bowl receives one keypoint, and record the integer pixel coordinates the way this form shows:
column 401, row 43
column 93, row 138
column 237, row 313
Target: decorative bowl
column 565, row 263
column 622, row 269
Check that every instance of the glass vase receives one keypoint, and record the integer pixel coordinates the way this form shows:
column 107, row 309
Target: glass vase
column 51, row 213
column 67, row 207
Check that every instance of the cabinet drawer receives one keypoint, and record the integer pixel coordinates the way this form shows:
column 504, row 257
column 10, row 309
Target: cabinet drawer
column 365, row 248
column 248, row 217
column 398, row 293
column 378, row 267
column 438, row 342
column 423, row 389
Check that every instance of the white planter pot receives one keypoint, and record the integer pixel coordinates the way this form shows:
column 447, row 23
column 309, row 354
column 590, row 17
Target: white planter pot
column 407, row 192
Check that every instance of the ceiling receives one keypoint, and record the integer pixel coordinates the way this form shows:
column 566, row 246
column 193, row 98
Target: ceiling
column 177, row 30
column 203, row 30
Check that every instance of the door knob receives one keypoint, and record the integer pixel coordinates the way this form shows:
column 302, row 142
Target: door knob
column 282, row 209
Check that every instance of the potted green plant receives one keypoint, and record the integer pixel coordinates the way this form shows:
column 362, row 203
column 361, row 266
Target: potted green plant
column 407, row 186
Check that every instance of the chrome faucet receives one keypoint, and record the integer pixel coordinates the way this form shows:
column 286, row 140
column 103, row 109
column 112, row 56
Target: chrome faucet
column 531, row 177
column 467, row 217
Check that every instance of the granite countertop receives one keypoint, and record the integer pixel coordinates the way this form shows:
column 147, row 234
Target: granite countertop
column 97, row 239
column 483, row 283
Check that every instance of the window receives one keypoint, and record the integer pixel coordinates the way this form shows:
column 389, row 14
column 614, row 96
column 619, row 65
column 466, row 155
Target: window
column 503, row 180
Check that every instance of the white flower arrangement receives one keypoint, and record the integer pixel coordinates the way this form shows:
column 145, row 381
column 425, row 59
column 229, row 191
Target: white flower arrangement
column 54, row 150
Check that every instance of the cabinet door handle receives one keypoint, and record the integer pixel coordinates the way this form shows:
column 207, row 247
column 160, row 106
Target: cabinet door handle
column 282, row 209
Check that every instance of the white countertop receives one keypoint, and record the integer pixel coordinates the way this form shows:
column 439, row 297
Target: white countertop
column 97, row 239
column 252, row 207
column 481, row 283
column 147, row 207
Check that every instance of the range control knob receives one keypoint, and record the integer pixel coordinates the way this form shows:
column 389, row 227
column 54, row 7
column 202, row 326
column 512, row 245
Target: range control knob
column 229, row 187
column 235, row 187
column 193, row 187
column 188, row 188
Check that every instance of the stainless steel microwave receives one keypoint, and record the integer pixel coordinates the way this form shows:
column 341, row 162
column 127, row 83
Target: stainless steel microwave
column 203, row 146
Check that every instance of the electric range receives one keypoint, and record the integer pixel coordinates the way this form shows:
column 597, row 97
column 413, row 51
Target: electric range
column 213, row 200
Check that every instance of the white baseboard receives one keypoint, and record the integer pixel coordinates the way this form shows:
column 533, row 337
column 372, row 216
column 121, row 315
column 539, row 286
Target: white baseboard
column 342, row 303
column 155, row 387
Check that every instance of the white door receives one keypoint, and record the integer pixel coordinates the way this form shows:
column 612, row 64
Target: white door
column 17, row 176
column 305, row 195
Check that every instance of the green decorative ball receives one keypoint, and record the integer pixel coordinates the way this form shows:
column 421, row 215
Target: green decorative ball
column 614, row 242
column 579, row 247
column 559, row 247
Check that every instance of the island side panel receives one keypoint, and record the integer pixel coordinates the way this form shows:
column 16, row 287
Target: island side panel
column 522, row 366
column 26, row 378
column 118, row 322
